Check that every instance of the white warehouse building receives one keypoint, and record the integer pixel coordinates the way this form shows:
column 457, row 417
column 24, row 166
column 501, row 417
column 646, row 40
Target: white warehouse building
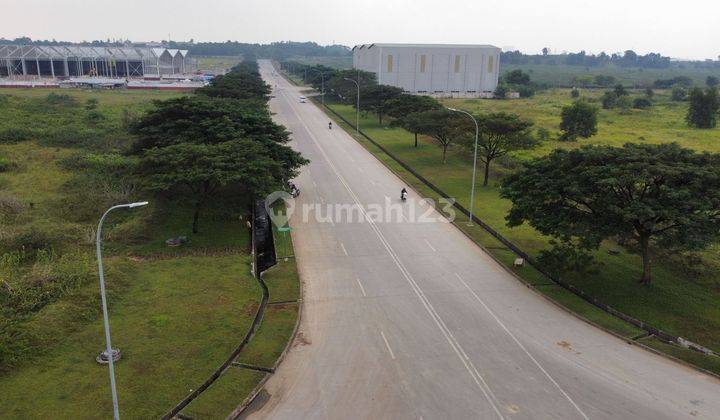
column 468, row 71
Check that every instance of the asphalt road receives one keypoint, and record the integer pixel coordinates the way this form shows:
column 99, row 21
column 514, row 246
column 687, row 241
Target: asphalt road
column 409, row 319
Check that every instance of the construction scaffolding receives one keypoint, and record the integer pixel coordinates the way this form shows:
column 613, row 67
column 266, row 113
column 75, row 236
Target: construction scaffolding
column 62, row 61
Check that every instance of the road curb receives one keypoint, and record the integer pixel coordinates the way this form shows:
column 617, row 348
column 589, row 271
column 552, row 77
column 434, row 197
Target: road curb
column 240, row 409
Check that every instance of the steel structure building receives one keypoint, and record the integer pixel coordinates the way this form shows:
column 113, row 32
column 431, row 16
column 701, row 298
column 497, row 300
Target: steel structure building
column 432, row 69
column 73, row 60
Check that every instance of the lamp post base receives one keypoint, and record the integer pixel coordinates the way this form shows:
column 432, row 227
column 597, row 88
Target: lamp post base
column 103, row 357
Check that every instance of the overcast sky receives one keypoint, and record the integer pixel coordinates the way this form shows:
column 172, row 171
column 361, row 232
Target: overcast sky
column 681, row 29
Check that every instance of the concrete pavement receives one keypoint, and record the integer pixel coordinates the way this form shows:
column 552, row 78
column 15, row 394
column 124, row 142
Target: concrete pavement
column 410, row 319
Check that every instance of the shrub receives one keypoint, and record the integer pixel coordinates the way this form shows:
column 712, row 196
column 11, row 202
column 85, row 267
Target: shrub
column 604, row 81
column 543, row 134
column 575, row 93
column 642, row 103
column 91, row 104
column 649, row 92
column 609, row 100
column 565, row 258
column 61, row 99
column 5, row 164
column 10, row 207
column 525, row 91
column 15, row 135
column 501, row 91
column 678, row 94
column 31, row 239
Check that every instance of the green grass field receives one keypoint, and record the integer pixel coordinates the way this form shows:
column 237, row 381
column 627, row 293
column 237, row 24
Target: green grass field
column 565, row 75
column 678, row 301
column 176, row 313
column 217, row 64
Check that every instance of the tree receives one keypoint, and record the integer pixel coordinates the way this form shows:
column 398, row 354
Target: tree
column 200, row 172
column 703, row 109
column 620, row 90
column 647, row 195
column 517, row 77
column 678, row 94
column 442, row 125
column 545, row 51
column 244, row 84
column 642, row 103
column 712, row 81
column 578, row 120
column 198, row 119
column 501, row 133
column 404, row 108
column 375, row 98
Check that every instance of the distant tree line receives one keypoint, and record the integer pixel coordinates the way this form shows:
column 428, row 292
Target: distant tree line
column 628, row 58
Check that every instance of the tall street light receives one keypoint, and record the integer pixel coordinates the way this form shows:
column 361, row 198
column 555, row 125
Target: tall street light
column 357, row 115
column 108, row 346
column 322, row 84
column 477, row 132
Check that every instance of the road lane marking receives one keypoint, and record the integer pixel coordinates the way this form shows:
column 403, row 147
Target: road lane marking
column 343, row 249
column 392, row 355
column 447, row 334
column 502, row 325
column 362, row 289
column 431, row 247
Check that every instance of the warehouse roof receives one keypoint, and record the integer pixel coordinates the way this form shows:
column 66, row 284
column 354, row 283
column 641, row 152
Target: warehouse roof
column 81, row 51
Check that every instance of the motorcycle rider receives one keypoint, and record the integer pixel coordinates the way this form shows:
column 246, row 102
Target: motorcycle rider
column 330, row 125
column 403, row 194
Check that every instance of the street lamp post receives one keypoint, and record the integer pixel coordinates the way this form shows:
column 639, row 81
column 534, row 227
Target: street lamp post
column 322, row 84
column 357, row 115
column 106, row 322
column 472, row 189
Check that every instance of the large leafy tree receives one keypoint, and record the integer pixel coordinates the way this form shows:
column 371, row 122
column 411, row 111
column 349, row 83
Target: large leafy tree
column 405, row 107
column 703, row 109
column 442, row 126
column 243, row 83
column 501, row 133
column 648, row 195
column 375, row 98
column 578, row 120
column 346, row 90
column 197, row 119
column 202, row 171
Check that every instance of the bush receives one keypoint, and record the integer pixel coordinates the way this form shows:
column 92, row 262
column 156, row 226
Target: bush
column 29, row 240
column 60, row 99
column 543, row 134
column 575, row 93
column 5, row 164
column 565, row 258
column 15, row 135
column 642, row 103
column 501, row 91
column 609, row 100
column 604, row 81
column 525, row 91
column 678, row 94
column 10, row 207
column 71, row 136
